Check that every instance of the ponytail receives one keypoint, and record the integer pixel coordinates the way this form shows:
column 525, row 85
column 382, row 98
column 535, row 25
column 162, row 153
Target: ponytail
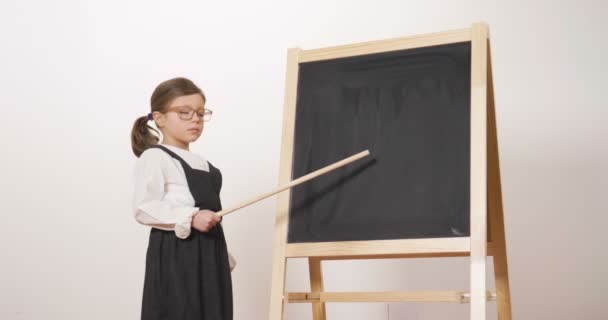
column 142, row 136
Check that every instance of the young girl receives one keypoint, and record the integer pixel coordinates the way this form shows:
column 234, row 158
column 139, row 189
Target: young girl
column 177, row 194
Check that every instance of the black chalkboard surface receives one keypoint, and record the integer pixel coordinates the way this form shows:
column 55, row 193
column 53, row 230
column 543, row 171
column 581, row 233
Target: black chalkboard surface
column 411, row 109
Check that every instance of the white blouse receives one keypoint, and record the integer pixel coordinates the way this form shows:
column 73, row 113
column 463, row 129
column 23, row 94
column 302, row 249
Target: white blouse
column 161, row 197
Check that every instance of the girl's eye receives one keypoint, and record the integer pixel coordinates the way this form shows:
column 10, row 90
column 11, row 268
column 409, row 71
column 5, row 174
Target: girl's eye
column 185, row 113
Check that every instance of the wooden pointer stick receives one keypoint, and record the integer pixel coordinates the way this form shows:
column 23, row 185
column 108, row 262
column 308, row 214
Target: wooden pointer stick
column 297, row 181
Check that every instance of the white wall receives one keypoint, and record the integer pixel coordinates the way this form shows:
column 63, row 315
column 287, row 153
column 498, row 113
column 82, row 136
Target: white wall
column 74, row 75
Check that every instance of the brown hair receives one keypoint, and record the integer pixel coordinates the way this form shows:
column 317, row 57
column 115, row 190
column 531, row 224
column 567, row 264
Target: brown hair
column 143, row 135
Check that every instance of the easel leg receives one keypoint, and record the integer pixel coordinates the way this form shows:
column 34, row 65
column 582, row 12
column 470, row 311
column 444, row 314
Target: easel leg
column 503, row 296
column 277, row 299
column 479, row 189
column 495, row 208
column 316, row 285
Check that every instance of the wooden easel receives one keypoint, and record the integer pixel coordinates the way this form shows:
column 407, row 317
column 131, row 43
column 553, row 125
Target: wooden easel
column 487, row 231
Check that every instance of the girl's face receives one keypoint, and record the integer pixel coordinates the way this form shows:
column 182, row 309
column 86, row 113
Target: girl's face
column 176, row 129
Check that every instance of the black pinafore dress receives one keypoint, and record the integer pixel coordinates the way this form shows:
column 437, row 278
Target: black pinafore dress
column 189, row 279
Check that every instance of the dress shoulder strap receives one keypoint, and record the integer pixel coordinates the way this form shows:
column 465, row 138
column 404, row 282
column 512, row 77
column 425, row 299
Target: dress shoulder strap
column 172, row 154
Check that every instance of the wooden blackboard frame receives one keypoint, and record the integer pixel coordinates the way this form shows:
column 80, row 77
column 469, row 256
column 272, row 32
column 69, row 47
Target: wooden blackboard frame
column 487, row 234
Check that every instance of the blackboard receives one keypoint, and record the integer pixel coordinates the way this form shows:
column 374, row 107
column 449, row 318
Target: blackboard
column 411, row 109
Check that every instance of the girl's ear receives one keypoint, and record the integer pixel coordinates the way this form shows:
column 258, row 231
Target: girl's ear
column 159, row 119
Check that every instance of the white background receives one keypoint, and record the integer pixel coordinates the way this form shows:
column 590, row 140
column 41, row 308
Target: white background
column 74, row 75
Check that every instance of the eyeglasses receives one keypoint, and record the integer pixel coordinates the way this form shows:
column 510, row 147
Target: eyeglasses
column 186, row 113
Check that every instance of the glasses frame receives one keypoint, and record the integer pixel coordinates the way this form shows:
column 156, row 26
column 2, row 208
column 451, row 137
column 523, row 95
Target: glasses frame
column 206, row 117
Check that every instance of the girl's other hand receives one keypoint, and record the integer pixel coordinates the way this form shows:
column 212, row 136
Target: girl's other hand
column 205, row 220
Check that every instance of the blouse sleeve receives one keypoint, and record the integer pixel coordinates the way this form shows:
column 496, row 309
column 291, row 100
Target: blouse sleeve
column 149, row 206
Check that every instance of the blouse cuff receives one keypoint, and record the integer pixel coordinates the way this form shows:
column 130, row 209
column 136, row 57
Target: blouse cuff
column 183, row 227
column 231, row 261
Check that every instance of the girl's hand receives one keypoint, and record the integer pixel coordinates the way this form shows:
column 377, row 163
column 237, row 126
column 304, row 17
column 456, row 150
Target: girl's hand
column 205, row 220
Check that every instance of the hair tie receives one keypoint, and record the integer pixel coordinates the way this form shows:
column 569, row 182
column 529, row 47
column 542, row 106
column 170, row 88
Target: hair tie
column 150, row 116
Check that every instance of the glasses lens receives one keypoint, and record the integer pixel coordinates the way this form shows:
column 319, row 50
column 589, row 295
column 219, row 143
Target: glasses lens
column 185, row 114
column 207, row 115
